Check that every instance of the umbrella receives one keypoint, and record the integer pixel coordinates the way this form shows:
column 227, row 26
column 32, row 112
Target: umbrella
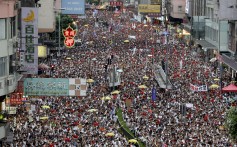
column 92, row 110
column 93, row 59
column 68, row 58
column 115, row 92
column 126, row 41
column 45, row 107
column 216, row 79
column 106, row 98
column 142, row 86
column 133, row 141
column 109, row 134
column 89, row 80
column 214, row 86
column 86, row 25
column 119, row 70
column 44, row 118
column 213, row 59
column 145, row 77
column 221, row 127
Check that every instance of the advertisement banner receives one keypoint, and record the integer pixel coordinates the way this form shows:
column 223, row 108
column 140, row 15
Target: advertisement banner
column 73, row 6
column 54, row 87
column 144, row 8
column 29, row 40
column 42, row 51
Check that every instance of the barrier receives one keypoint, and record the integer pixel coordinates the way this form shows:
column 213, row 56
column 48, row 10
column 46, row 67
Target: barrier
column 124, row 128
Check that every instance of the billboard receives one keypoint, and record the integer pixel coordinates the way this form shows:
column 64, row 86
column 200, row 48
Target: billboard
column 54, row 87
column 29, row 40
column 42, row 51
column 145, row 8
column 73, row 6
column 46, row 18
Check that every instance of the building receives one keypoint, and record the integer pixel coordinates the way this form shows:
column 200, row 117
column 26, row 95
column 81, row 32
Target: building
column 176, row 10
column 194, row 21
column 8, row 40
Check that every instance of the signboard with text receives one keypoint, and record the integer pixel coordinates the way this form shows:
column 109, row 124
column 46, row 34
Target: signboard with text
column 54, row 87
column 144, row 8
column 29, row 40
column 116, row 3
column 73, row 6
column 69, row 33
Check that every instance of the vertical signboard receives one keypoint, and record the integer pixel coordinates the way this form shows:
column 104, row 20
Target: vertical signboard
column 69, row 33
column 73, row 6
column 29, row 40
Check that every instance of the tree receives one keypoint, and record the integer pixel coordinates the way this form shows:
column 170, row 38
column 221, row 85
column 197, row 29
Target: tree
column 65, row 20
column 231, row 123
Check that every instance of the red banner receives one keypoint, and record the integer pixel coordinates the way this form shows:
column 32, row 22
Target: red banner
column 116, row 3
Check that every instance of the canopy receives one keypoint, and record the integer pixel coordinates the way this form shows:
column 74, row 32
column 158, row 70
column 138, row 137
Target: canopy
column 230, row 88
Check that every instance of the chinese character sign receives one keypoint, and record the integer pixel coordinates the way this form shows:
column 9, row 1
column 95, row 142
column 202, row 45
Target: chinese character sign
column 46, row 86
column 69, row 33
column 55, row 87
column 29, row 33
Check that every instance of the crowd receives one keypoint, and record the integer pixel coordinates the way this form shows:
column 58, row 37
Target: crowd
column 69, row 121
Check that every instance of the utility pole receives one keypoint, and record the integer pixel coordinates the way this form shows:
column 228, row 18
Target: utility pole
column 166, row 56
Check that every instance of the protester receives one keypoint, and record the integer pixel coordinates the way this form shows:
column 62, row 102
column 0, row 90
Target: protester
column 156, row 122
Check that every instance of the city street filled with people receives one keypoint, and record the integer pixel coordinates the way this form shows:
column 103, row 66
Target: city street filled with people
column 105, row 46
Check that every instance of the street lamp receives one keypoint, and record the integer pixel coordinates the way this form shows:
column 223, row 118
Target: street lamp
column 59, row 28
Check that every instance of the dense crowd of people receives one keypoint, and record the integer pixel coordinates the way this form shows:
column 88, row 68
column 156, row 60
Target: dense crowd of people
column 85, row 121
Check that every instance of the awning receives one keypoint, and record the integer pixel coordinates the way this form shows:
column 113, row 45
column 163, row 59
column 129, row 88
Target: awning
column 206, row 44
column 230, row 62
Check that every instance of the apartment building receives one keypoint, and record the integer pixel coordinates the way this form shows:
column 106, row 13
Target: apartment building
column 9, row 42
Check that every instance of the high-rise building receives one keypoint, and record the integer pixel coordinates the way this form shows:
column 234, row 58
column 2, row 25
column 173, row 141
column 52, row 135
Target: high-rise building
column 9, row 45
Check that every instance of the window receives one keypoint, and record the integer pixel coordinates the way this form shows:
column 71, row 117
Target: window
column 13, row 27
column 180, row 8
column 3, row 29
column 3, row 65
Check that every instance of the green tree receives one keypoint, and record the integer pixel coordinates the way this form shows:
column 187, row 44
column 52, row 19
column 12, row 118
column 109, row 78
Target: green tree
column 231, row 123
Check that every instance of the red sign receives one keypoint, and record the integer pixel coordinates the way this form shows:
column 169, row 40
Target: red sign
column 16, row 98
column 69, row 33
column 116, row 3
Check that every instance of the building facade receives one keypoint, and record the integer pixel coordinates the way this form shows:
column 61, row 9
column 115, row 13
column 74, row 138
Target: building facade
column 9, row 42
column 177, row 8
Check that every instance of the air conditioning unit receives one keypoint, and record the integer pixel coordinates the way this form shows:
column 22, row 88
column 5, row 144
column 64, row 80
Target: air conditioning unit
column 15, row 45
column 15, row 39
column 9, row 82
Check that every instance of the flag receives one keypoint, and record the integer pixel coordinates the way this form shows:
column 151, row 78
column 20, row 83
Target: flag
column 202, row 88
column 180, row 64
column 153, row 94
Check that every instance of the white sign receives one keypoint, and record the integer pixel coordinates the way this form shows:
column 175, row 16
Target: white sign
column 29, row 40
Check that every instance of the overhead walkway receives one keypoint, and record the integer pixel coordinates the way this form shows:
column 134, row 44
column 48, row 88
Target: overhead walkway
column 160, row 77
